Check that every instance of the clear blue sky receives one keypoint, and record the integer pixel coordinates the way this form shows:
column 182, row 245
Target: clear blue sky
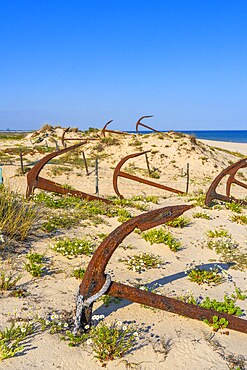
column 82, row 63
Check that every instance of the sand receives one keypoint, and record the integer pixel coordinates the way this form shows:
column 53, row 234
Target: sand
column 191, row 344
column 233, row 147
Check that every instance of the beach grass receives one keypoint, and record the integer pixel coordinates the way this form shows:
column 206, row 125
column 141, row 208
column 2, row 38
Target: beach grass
column 17, row 216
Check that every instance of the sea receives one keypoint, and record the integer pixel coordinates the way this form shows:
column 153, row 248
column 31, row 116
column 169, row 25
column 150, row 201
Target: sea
column 235, row 136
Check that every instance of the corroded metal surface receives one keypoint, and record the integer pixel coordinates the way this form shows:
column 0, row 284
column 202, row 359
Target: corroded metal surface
column 63, row 136
column 35, row 181
column 63, row 139
column 231, row 171
column 95, row 277
column 105, row 129
column 118, row 173
column 139, row 123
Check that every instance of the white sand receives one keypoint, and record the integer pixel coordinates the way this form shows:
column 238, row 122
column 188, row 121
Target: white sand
column 233, row 147
column 194, row 346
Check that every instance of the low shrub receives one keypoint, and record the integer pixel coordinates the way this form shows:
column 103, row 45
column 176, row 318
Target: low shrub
column 142, row 262
column 240, row 219
column 73, row 247
column 201, row 215
column 202, row 276
column 218, row 233
column 160, row 236
column 179, row 222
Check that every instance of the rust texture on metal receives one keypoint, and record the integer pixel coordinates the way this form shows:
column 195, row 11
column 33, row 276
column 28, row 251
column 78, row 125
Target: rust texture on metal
column 63, row 138
column 95, row 277
column 231, row 171
column 118, row 173
column 139, row 123
column 105, row 129
column 35, row 181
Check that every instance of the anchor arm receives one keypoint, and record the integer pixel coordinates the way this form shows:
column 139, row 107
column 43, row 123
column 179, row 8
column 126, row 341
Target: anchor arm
column 118, row 173
column 32, row 176
column 118, row 168
column 232, row 179
column 230, row 170
column 104, row 128
column 34, row 181
column 63, row 135
column 145, row 221
column 139, row 123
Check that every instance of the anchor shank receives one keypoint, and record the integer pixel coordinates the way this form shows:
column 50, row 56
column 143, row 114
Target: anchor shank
column 148, row 182
column 150, row 128
column 48, row 185
column 239, row 183
column 133, row 294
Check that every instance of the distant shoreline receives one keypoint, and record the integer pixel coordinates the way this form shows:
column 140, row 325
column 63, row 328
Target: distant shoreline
column 230, row 146
column 225, row 136
column 13, row 131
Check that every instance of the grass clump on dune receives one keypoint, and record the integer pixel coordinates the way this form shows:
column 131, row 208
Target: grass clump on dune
column 234, row 207
column 201, row 215
column 229, row 251
column 73, row 247
column 202, row 276
column 11, row 337
column 198, row 198
column 240, row 219
column 179, row 222
column 228, row 305
column 82, row 210
column 17, row 216
column 218, row 233
column 78, row 273
column 142, row 262
column 8, row 279
column 160, row 236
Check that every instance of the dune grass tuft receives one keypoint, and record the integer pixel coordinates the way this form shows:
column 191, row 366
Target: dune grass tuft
column 17, row 216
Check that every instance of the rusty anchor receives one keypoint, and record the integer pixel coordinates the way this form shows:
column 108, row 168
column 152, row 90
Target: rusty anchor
column 139, row 123
column 118, row 173
column 96, row 282
column 231, row 171
column 104, row 130
column 35, row 181
column 63, row 139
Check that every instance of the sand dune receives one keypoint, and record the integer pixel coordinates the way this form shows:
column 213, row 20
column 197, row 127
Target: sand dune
column 187, row 343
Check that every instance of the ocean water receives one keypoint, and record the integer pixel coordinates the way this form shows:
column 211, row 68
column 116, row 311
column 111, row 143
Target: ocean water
column 235, row 136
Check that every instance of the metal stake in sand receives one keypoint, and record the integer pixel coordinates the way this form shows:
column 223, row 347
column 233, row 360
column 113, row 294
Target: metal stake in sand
column 85, row 163
column 148, row 167
column 188, row 178
column 21, row 160
column 96, row 176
